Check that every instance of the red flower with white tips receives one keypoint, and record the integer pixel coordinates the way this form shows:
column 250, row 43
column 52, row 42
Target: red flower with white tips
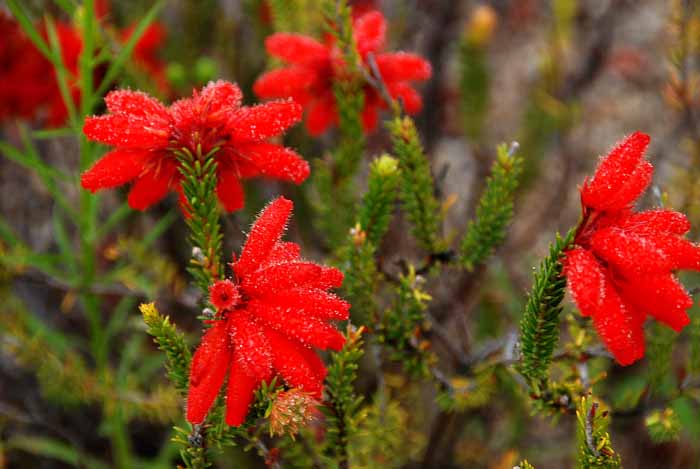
column 268, row 322
column 622, row 266
column 312, row 67
column 146, row 134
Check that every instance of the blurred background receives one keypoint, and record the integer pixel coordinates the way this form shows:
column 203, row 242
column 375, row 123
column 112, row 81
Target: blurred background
column 565, row 78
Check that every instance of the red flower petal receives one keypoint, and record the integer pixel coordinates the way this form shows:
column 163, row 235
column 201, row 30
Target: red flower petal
column 275, row 161
column 684, row 254
column 136, row 103
column 282, row 277
column 630, row 191
column 114, row 169
column 239, row 394
column 330, row 278
column 586, row 280
column 229, row 190
column 620, row 328
column 151, row 187
column 614, row 171
column 220, row 97
column 288, row 82
column 127, row 131
column 258, row 123
column 321, row 114
column 282, row 252
column 209, row 365
column 311, row 301
column 251, row 349
column 314, row 362
column 289, row 359
column 298, row 326
column 657, row 221
column 263, row 236
column 631, row 253
column 410, row 98
column 370, row 116
column 369, row 31
column 403, row 66
column 296, row 48
column 661, row 296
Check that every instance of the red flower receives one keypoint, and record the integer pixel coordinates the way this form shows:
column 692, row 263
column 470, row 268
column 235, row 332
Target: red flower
column 621, row 269
column 145, row 134
column 283, row 312
column 25, row 90
column 313, row 66
column 22, row 72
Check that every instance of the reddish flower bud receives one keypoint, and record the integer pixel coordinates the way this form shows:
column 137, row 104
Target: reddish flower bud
column 224, row 295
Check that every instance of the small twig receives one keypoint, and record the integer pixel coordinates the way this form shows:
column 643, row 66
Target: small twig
column 375, row 80
column 589, row 429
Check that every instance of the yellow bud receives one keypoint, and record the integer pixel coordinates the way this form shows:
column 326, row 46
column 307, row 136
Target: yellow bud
column 482, row 23
column 386, row 165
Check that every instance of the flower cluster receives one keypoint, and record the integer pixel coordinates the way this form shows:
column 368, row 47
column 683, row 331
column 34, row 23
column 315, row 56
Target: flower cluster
column 25, row 91
column 267, row 322
column 148, row 134
column 313, row 66
column 621, row 268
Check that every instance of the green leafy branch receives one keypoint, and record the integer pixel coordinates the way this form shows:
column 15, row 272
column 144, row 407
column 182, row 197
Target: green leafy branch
column 417, row 191
column 199, row 178
column 495, row 209
column 539, row 327
column 342, row 401
column 594, row 446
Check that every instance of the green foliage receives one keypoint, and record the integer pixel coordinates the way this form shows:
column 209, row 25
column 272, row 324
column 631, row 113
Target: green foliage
column 199, row 188
column 466, row 393
column 663, row 425
column 495, row 210
column 694, row 333
column 378, row 203
column 342, row 401
column 294, row 15
column 193, row 454
column 688, row 412
column 524, row 465
column 539, row 327
column 384, row 437
column 361, row 277
column 474, row 87
column 417, row 190
column 172, row 342
column 660, row 341
column 358, row 256
column 594, row 446
column 403, row 324
column 627, row 394
column 333, row 179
